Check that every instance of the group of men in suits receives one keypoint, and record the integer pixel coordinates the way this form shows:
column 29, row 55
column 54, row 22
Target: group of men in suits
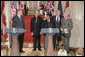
column 63, row 23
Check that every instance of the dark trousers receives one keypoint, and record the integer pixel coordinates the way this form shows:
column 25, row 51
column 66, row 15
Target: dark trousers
column 21, row 40
column 65, row 38
column 66, row 43
column 44, row 41
column 35, row 38
column 58, row 39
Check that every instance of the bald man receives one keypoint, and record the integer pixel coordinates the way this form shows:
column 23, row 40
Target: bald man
column 36, row 23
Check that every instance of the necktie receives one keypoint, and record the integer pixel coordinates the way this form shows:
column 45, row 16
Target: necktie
column 20, row 18
column 57, row 19
column 36, row 20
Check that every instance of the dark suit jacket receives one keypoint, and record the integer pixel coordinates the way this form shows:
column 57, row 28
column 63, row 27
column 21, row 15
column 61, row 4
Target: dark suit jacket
column 47, row 24
column 36, row 27
column 57, row 24
column 17, row 23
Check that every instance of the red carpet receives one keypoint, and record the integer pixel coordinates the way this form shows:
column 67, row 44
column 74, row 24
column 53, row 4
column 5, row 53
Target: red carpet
column 28, row 37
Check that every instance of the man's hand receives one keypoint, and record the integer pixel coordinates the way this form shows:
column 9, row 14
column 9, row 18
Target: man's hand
column 61, row 29
column 65, row 30
column 40, row 33
column 25, row 30
column 31, row 33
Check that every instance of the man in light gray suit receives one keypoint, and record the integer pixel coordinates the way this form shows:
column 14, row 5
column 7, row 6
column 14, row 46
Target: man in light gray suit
column 66, row 27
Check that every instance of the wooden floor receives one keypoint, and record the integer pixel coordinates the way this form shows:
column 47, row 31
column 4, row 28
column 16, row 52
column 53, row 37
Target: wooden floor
column 29, row 52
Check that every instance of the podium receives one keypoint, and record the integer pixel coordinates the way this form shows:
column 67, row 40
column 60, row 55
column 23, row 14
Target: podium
column 14, row 32
column 49, row 50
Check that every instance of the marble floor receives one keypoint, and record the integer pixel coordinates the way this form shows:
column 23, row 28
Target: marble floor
column 29, row 52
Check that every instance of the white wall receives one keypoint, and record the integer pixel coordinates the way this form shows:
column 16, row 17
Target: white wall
column 77, row 15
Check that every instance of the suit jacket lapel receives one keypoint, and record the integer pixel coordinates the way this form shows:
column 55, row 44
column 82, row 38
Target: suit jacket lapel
column 18, row 18
column 55, row 18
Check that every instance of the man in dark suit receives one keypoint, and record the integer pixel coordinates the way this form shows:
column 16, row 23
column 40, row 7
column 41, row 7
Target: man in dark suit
column 56, row 19
column 18, row 22
column 36, row 23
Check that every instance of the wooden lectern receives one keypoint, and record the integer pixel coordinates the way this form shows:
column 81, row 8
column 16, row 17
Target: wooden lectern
column 49, row 50
column 15, row 47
